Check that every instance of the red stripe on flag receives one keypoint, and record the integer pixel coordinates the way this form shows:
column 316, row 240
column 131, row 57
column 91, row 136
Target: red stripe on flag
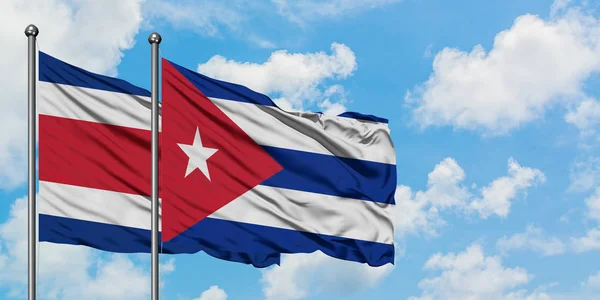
column 94, row 155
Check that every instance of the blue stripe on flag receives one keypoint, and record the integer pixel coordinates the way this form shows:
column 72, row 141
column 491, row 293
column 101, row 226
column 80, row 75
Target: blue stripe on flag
column 214, row 88
column 227, row 240
column 359, row 116
column 332, row 175
column 56, row 71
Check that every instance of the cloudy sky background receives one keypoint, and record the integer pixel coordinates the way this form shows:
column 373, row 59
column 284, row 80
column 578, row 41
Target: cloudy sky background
column 493, row 108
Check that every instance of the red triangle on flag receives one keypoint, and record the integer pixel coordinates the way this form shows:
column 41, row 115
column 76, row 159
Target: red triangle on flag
column 235, row 165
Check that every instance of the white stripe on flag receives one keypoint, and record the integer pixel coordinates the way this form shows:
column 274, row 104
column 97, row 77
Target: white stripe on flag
column 94, row 205
column 266, row 206
column 311, row 132
column 100, row 106
column 310, row 212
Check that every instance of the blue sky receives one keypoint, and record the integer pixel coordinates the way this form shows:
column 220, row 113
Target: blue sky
column 493, row 111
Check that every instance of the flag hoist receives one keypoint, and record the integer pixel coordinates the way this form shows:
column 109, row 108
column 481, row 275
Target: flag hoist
column 154, row 39
column 31, row 32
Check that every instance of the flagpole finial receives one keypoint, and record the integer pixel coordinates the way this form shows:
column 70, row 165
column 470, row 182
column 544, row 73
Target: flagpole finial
column 31, row 30
column 154, row 38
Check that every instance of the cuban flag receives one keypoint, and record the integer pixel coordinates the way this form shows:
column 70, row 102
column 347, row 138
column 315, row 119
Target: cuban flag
column 240, row 178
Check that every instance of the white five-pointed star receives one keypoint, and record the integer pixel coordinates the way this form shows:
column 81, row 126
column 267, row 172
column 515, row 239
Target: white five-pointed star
column 198, row 155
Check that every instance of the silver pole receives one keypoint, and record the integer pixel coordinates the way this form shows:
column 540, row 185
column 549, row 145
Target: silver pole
column 31, row 32
column 154, row 39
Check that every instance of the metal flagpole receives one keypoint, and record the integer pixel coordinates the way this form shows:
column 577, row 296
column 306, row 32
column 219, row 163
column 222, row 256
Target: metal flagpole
column 31, row 32
column 154, row 39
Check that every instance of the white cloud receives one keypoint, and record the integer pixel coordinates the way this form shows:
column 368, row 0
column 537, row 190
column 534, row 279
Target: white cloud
column 532, row 239
column 167, row 267
column 497, row 196
column 559, row 6
column 117, row 278
column 471, row 275
column 204, row 17
column 261, row 42
column 213, row 293
column 66, row 271
column 415, row 214
column 590, row 242
column 524, row 295
column 593, row 205
column 214, row 18
column 66, row 27
column 586, row 116
column 302, row 11
column 585, row 174
column 419, row 212
column 300, row 275
column 443, row 185
column 593, row 282
column 532, row 66
column 332, row 109
column 296, row 78
column 428, row 50
column 335, row 98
